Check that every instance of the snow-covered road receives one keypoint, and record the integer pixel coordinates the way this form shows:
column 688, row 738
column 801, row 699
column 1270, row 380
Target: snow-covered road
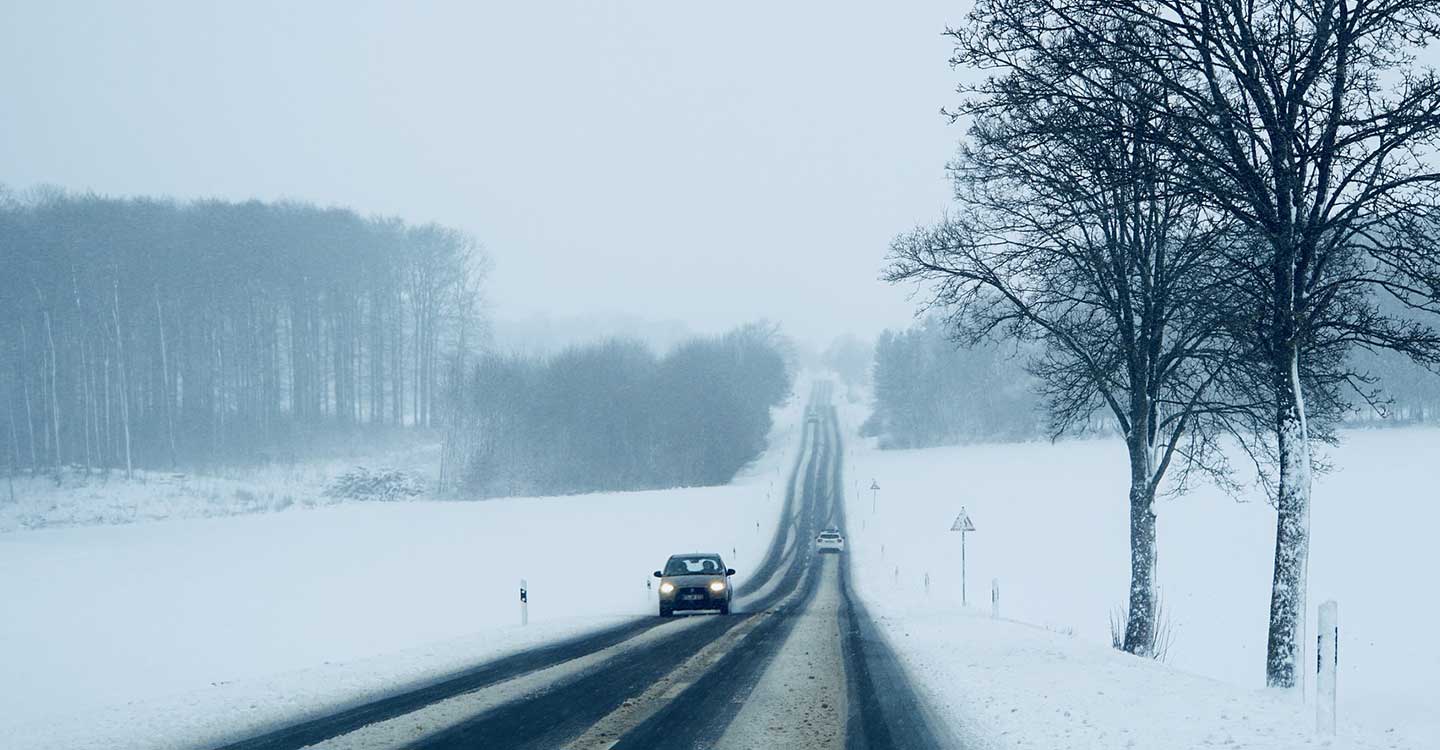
column 793, row 668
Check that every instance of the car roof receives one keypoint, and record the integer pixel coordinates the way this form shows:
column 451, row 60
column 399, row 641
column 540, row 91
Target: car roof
column 715, row 555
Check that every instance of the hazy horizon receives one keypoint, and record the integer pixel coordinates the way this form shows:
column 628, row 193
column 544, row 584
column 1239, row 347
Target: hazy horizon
column 654, row 161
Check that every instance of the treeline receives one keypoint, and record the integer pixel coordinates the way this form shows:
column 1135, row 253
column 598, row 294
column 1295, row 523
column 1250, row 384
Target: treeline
column 615, row 416
column 1396, row 392
column 151, row 333
column 1391, row 389
column 930, row 391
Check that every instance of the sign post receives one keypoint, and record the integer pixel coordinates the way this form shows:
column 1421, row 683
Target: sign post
column 963, row 525
column 524, row 603
column 874, row 489
column 1329, row 645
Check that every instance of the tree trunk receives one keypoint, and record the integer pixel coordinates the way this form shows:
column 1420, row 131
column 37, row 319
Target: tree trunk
column 25, row 389
column 85, row 397
column 85, row 412
column 109, row 427
column 397, row 392
column 124, row 385
column 1140, row 617
column 14, row 445
column 377, row 361
column 1292, row 529
column 419, row 356
column 54, row 393
column 165, row 377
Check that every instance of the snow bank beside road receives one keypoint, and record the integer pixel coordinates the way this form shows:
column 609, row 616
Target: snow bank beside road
column 1008, row 685
column 1052, row 527
column 163, row 634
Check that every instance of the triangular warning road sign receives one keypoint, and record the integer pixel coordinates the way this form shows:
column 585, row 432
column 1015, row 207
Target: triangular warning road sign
column 962, row 522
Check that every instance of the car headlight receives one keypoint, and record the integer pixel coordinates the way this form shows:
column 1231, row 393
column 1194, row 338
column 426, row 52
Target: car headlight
column 667, row 587
column 717, row 586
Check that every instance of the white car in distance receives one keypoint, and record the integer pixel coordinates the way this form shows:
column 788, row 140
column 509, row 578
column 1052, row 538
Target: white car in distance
column 830, row 540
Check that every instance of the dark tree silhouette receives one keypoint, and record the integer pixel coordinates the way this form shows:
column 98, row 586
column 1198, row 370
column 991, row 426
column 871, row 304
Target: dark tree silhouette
column 614, row 416
column 1070, row 233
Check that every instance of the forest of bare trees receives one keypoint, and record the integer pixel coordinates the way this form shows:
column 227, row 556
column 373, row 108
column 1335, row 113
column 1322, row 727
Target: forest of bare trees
column 615, row 416
column 149, row 333
column 928, row 391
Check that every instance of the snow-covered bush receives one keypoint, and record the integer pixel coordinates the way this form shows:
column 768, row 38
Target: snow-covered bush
column 385, row 484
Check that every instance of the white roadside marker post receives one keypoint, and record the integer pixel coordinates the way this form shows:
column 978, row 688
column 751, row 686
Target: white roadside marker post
column 1329, row 646
column 524, row 603
column 963, row 525
column 995, row 598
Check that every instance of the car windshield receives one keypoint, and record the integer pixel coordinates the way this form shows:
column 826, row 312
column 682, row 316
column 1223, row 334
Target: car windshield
column 693, row 566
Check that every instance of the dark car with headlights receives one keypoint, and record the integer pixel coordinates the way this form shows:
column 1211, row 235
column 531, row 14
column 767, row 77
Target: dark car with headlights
column 697, row 581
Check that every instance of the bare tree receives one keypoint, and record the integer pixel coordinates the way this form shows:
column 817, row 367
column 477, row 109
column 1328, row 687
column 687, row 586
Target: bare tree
column 165, row 377
column 87, row 404
column 1071, row 233
column 54, row 361
column 22, row 374
column 124, row 386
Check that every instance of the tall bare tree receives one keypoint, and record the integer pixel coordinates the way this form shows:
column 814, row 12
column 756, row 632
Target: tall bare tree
column 124, row 384
column 1069, row 232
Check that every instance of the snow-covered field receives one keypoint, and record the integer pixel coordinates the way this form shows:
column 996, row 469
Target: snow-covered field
column 1052, row 527
column 166, row 633
column 107, row 498
column 174, row 632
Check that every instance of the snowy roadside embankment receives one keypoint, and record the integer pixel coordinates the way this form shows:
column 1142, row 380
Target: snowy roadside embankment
column 175, row 633
column 1052, row 527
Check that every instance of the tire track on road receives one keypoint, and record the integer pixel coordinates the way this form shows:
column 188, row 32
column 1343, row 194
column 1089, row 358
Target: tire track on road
column 779, row 560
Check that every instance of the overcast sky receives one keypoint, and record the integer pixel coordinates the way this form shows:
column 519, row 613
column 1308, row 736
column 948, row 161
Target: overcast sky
column 706, row 163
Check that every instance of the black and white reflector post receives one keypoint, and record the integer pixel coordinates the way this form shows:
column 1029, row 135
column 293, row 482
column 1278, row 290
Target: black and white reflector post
column 524, row 603
column 1329, row 645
